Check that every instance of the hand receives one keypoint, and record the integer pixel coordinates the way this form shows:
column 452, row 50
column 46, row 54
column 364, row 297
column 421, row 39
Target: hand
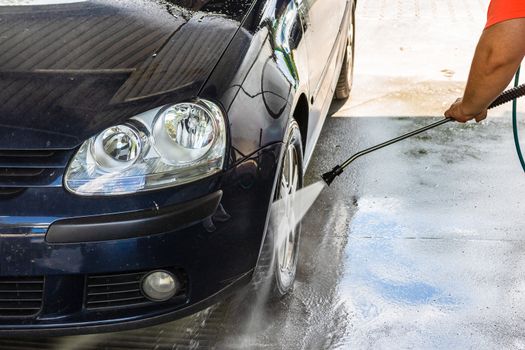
column 456, row 112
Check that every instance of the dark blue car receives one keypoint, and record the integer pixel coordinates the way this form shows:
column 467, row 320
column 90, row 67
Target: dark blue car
column 142, row 143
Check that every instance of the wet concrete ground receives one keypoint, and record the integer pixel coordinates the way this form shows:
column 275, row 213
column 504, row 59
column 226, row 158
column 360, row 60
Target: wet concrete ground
column 417, row 246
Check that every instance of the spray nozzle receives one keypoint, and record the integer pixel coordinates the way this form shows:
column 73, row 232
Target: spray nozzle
column 330, row 176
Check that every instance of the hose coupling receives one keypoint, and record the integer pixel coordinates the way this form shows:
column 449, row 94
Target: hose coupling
column 330, row 176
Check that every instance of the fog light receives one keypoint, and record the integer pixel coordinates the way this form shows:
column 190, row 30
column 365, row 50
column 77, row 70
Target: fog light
column 160, row 285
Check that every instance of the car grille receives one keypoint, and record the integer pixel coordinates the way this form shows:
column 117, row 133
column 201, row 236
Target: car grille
column 21, row 296
column 122, row 290
column 36, row 168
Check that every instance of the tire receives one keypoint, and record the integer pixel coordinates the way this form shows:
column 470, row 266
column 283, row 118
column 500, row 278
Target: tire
column 346, row 77
column 277, row 265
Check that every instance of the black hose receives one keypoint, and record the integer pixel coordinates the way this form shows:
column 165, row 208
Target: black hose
column 509, row 95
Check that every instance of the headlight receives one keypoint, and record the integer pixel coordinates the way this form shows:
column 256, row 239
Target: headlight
column 184, row 132
column 163, row 147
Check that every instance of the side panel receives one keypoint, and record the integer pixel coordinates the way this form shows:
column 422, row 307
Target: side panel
column 326, row 42
column 324, row 19
column 261, row 76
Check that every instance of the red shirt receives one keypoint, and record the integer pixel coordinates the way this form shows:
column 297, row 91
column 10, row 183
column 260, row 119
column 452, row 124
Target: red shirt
column 503, row 10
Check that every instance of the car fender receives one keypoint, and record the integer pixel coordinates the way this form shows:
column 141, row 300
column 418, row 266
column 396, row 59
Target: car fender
column 261, row 77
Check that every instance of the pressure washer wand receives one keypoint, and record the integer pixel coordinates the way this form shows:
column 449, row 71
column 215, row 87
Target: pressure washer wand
column 338, row 170
column 505, row 97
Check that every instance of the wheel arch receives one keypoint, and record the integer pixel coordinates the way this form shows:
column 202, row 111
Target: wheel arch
column 301, row 114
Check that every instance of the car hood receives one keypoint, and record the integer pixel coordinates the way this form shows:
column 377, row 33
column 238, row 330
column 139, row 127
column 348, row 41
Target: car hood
column 69, row 69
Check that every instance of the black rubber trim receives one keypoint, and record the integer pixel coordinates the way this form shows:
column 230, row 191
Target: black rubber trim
column 134, row 224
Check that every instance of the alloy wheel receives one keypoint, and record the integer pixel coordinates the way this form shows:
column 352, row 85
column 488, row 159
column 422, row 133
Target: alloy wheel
column 288, row 233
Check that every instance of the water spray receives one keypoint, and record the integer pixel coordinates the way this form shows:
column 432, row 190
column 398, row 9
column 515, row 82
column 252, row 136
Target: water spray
column 330, row 176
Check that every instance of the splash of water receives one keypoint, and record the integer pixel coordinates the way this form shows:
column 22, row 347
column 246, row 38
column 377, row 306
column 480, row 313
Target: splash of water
column 288, row 212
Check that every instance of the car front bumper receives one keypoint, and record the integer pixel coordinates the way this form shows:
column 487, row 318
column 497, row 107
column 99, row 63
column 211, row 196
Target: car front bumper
column 211, row 241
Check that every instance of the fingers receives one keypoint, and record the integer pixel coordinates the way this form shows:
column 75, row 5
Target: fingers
column 482, row 116
column 451, row 113
column 462, row 120
column 456, row 112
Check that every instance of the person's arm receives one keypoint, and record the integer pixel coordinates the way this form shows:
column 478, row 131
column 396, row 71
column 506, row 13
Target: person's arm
column 498, row 55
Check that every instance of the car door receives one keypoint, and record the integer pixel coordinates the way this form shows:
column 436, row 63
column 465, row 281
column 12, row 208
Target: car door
column 324, row 18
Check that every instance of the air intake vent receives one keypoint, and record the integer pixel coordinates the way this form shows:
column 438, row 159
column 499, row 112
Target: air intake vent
column 35, row 168
column 21, row 296
column 123, row 290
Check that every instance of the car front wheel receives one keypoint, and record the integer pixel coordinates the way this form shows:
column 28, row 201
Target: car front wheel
column 277, row 265
column 287, row 230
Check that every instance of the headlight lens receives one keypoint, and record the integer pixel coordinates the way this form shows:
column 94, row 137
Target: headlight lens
column 117, row 148
column 184, row 132
column 163, row 147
